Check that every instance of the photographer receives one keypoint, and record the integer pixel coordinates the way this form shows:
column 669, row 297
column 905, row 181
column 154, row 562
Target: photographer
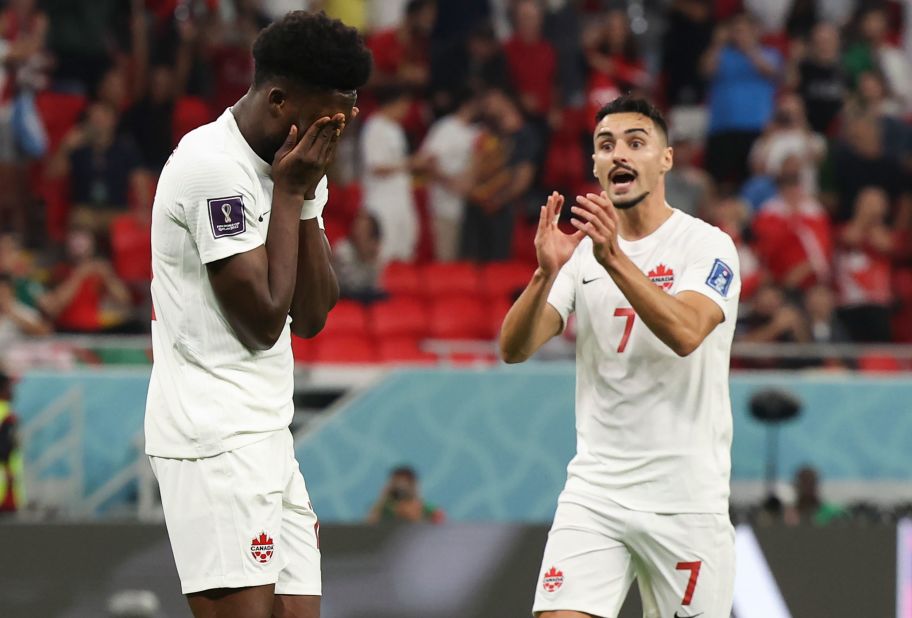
column 401, row 500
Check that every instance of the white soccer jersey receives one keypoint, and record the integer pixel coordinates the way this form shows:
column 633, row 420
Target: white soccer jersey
column 209, row 393
column 653, row 429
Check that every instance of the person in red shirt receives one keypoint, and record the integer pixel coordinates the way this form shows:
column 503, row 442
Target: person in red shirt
column 792, row 233
column 86, row 294
column 863, row 268
column 531, row 59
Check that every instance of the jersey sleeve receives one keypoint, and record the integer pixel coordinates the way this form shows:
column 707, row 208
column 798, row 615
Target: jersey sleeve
column 563, row 293
column 713, row 270
column 218, row 209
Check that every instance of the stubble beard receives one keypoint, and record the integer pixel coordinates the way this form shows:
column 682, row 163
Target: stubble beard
column 628, row 204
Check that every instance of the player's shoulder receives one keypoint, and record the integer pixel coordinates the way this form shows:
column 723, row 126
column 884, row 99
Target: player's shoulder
column 204, row 158
column 698, row 233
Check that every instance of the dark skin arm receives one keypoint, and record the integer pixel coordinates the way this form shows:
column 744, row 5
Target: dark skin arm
column 317, row 289
column 255, row 288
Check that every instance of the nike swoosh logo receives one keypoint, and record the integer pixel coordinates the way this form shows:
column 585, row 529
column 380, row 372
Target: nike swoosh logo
column 585, row 281
column 264, row 214
column 694, row 616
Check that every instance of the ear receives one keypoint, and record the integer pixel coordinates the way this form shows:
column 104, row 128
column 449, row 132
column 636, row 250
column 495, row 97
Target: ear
column 277, row 98
column 667, row 159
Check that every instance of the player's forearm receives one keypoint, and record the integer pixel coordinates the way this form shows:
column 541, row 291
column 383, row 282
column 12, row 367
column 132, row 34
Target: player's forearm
column 316, row 289
column 672, row 321
column 521, row 334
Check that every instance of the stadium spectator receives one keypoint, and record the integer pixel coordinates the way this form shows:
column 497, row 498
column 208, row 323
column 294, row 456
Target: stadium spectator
column 865, row 245
column 858, row 161
column 532, row 61
column 732, row 215
column 689, row 34
column 873, row 51
column 150, row 120
column 447, row 154
column 788, row 135
column 743, row 76
column 771, row 319
column 18, row 321
column 792, row 232
column 98, row 163
column 387, row 174
column 503, row 170
column 401, row 500
column 687, row 185
column 11, row 470
column 613, row 55
column 809, row 507
column 356, row 259
column 19, row 264
column 85, row 294
column 817, row 75
column 824, row 325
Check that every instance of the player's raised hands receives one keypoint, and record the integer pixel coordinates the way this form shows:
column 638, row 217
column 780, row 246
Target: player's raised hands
column 300, row 163
column 599, row 221
column 552, row 246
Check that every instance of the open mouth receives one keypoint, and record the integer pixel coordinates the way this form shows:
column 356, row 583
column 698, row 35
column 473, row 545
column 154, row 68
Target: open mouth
column 621, row 180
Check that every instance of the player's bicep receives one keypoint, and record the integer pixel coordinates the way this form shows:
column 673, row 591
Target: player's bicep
column 238, row 281
column 706, row 313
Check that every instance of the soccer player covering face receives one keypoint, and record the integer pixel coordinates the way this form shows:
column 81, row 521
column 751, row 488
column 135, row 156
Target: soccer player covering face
column 239, row 260
column 655, row 293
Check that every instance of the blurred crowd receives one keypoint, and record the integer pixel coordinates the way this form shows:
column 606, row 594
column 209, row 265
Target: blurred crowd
column 790, row 122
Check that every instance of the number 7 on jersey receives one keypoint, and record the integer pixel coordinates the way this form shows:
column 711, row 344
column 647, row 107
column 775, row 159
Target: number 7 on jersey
column 630, row 314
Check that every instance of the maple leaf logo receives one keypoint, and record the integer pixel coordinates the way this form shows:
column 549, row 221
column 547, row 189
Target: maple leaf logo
column 662, row 276
column 553, row 580
column 262, row 548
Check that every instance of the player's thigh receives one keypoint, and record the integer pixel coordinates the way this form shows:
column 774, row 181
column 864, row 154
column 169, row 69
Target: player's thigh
column 252, row 602
column 586, row 568
column 296, row 606
column 224, row 515
column 300, row 535
column 685, row 564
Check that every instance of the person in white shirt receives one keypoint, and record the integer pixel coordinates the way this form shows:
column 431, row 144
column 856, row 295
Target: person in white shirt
column 240, row 261
column 387, row 175
column 655, row 293
column 447, row 152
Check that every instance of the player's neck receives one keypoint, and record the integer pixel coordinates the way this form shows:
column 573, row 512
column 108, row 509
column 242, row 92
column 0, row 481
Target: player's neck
column 644, row 218
column 245, row 115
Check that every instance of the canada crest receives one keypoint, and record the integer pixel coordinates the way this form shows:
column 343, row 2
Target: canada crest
column 262, row 548
column 553, row 580
column 662, row 276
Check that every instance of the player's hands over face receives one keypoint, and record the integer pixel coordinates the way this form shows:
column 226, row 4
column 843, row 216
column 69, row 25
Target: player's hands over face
column 300, row 163
column 599, row 221
column 552, row 247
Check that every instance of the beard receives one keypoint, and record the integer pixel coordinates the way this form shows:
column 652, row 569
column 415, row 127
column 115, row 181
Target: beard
column 630, row 203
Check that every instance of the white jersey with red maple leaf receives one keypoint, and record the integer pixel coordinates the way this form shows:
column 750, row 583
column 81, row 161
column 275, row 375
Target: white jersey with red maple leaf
column 653, row 429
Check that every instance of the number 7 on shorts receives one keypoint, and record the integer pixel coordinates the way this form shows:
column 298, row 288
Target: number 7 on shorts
column 694, row 568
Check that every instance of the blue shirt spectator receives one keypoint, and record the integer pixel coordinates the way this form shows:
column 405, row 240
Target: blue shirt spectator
column 741, row 96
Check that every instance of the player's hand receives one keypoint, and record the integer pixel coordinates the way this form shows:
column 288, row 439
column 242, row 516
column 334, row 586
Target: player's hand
column 599, row 221
column 553, row 247
column 300, row 163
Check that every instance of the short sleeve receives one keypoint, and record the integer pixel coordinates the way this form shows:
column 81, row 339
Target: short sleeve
column 219, row 210
column 713, row 269
column 563, row 293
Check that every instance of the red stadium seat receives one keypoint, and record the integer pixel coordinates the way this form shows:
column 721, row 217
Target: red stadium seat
column 131, row 249
column 459, row 318
column 302, row 349
column 504, row 279
column 879, row 363
column 59, row 112
column 189, row 113
column 401, row 279
column 399, row 317
column 451, row 279
column 403, row 350
column 347, row 318
column 345, row 350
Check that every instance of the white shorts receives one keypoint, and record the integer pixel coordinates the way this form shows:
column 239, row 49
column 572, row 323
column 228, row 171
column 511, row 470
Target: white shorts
column 241, row 518
column 684, row 563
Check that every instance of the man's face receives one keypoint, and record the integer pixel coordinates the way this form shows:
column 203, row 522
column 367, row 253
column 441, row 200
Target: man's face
column 305, row 109
column 631, row 157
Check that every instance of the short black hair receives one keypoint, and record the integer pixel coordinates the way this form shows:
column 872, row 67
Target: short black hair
column 406, row 471
column 629, row 104
column 312, row 50
column 390, row 93
column 416, row 6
